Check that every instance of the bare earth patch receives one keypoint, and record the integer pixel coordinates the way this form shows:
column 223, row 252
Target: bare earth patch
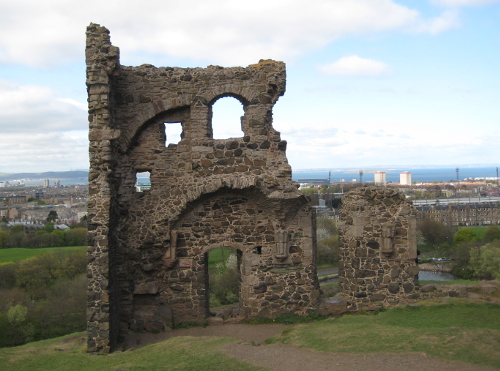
column 282, row 357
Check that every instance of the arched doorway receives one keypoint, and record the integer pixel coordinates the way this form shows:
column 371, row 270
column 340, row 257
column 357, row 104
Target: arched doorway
column 223, row 280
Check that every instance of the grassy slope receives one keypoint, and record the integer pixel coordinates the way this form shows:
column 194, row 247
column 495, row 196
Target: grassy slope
column 479, row 231
column 16, row 254
column 460, row 330
column 68, row 353
column 467, row 332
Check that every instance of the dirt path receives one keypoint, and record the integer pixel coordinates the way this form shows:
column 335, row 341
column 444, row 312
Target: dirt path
column 281, row 357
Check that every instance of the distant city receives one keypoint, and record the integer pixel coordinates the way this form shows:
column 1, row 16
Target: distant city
column 458, row 196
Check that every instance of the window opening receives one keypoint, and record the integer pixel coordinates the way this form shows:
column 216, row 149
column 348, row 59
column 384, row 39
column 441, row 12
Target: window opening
column 173, row 133
column 142, row 181
column 223, row 277
column 226, row 118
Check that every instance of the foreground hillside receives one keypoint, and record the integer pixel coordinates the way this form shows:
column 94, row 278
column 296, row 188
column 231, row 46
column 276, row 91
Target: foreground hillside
column 413, row 338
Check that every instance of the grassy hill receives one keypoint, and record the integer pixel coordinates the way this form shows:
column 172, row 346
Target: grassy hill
column 15, row 254
column 455, row 329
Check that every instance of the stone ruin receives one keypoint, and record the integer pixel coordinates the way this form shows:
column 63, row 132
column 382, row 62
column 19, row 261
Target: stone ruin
column 147, row 254
column 378, row 249
column 148, row 251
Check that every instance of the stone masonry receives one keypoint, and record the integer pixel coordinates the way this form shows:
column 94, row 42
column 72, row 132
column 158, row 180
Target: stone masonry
column 147, row 255
column 378, row 249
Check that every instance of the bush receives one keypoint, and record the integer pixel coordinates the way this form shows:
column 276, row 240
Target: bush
column 461, row 264
column 464, row 235
column 224, row 283
column 485, row 261
column 328, row 241
column 492, row 233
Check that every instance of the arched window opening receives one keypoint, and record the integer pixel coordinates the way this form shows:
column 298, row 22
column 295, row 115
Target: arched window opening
column 223, row 278
column 226, row 118
column 173, row 133
column 142, row 181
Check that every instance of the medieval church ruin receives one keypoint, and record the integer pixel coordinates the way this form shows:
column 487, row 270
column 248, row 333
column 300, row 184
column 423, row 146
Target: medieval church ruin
column 148, row 250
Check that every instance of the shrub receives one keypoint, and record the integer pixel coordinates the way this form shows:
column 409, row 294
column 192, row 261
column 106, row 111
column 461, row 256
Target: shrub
column 485, row 261
column 464, row 235
column 492, row 233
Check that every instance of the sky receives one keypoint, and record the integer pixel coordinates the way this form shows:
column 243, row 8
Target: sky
column 369, row 82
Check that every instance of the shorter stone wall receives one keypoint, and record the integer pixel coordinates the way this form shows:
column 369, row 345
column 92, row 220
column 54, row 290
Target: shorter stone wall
column 378, row 249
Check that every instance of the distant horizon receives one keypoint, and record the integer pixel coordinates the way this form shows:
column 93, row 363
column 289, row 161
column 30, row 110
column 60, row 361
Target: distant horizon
column 368, row 167
column 353, row 170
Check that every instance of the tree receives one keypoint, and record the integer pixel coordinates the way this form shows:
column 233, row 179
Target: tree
column 18, row 228
column 434, row 232
column 52, row 217
column 4, row 239
column 464, row 235
column 49, row 227
column 491, row 234
column 485, row 261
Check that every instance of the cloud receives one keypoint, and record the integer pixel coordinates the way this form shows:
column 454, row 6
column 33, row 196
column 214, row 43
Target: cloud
column 34, row 152
column 356, row 66
column 25, row 108
column 50, row 33
column 448, row 20
column 460, row 3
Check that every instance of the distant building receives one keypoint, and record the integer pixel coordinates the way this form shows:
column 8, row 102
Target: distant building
column 405, row 178
column 380, row 178
column 486, row 213
column 46, row 183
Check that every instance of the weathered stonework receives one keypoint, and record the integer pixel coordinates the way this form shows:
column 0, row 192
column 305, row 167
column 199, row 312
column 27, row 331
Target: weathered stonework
column 378, row 249
column 147, row 255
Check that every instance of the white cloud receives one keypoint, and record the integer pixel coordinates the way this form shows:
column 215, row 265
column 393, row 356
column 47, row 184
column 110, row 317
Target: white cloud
column 356, row 66
column 52, row 32
column 459, row 3
column 25, row 108
column 449, row 19
column 34, row 152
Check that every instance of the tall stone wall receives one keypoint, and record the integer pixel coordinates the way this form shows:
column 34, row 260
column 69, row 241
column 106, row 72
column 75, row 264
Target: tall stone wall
column 378, row 249
column 148, row 250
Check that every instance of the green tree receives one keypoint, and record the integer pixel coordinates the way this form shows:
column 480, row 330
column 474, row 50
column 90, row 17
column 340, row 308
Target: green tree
column 4, row 239
column 491, row 234
column 49, row 227
column 434, row 232
column 18, row 228
column 464, row 235
column 309, row 191
column 485, row 261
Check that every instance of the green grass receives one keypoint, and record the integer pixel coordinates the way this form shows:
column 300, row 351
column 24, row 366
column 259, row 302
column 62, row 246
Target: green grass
column 459, row 330
column 69, row 353
column 326, row 266
column 467, row 332
column 16, row 254
column 219, row 255
column 479, row 231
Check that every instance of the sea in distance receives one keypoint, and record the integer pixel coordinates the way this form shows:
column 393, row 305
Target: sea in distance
column 347, row 175
column 392, row 175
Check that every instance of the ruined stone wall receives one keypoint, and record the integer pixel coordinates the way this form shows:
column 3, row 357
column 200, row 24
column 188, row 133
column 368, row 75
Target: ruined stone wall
column 147, row 255
column 378, row 249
